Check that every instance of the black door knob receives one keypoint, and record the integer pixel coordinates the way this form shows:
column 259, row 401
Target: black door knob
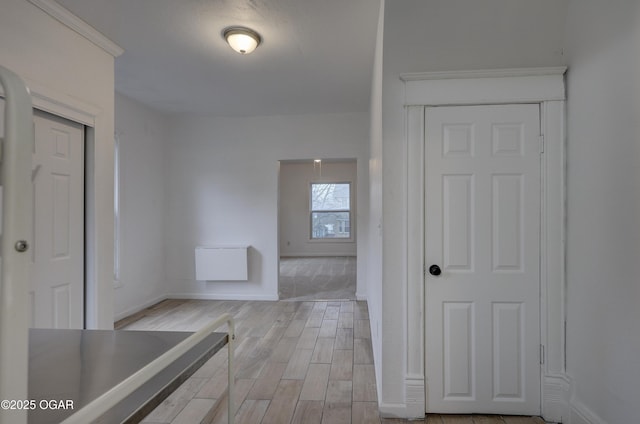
column 435, row 270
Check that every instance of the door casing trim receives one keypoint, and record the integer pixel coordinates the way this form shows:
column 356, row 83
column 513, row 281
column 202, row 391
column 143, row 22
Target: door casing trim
column 546, row 87
column 92, row 117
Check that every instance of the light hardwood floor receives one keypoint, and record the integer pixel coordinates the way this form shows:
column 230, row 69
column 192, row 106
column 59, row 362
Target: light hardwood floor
column 296, row 362
column 317, row 278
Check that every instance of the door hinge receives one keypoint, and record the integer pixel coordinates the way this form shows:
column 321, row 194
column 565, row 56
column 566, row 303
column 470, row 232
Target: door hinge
column 542, row 144
column 541, row 354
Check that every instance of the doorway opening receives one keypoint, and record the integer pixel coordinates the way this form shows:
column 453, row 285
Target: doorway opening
column 317, row 240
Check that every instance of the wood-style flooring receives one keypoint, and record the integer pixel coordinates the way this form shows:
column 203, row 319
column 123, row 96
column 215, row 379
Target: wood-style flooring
column 296, row 362
column 317, row 278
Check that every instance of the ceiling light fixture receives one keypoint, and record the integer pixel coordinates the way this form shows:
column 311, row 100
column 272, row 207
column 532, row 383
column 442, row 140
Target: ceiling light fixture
column 241, row 39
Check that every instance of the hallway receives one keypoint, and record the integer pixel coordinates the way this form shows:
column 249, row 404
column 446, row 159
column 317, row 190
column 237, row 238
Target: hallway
column 296, row 362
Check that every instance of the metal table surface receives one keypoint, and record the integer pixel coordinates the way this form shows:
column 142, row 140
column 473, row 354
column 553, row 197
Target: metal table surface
column 80, row 365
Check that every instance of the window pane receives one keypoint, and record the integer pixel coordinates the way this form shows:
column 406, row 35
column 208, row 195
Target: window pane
column 329, row 197
column 330, row 225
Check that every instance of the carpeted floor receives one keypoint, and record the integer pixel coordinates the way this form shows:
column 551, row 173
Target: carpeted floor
column 319, row 278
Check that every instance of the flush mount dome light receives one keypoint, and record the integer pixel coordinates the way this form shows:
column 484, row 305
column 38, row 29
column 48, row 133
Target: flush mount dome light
column 241, row 39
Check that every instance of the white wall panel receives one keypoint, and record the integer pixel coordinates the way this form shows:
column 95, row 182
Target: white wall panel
column 142, row 135
column 603, row 207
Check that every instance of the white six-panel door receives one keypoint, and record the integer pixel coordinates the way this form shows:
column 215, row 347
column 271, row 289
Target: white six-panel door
column 57, row 271
column 482, row 229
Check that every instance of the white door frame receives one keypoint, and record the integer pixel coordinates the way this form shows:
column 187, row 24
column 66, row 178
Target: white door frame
column 544, row 86
column 91, row 117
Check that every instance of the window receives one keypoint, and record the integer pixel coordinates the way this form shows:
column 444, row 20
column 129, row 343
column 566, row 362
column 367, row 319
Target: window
column 330, row 211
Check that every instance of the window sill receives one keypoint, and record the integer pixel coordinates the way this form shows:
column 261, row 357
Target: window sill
column 332, row 240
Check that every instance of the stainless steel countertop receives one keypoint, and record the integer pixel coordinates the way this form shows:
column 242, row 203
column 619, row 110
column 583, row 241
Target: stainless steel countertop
column 80, row 365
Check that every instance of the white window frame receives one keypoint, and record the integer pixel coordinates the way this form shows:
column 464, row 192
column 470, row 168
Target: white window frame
column 349, row 211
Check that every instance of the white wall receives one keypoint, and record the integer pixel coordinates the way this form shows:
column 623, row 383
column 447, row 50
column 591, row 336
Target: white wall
column 69, row 72
column 222, row 188
column 142, row 134
column 438, row 35
column 295, row 180
column 603, row 206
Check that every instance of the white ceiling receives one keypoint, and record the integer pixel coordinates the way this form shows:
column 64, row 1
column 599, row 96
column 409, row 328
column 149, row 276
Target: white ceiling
column 316, row 55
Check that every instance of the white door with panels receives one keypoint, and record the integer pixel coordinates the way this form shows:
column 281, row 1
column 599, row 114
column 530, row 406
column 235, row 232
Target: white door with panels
column 482, row 259
column 57, row 271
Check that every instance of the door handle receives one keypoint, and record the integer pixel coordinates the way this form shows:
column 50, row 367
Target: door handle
column 435, row 270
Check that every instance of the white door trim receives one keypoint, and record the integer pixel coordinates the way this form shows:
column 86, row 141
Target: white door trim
column 540, row 85
column 98, row 296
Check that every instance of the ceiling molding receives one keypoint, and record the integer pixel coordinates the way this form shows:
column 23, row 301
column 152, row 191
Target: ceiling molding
column 484, row 73
column 67, row 18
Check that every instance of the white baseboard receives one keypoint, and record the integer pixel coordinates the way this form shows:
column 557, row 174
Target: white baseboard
column 393, row 410
column 557, row 406
column 414, row 406
column 213, row 296
column 138, row 308
column 561, row 405
column 581, row 414
column 360, row 296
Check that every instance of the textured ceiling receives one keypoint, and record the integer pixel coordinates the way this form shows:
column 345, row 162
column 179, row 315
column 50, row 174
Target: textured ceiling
column 316, row 55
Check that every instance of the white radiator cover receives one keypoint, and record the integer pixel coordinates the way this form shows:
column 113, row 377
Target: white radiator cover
column 221, row 263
